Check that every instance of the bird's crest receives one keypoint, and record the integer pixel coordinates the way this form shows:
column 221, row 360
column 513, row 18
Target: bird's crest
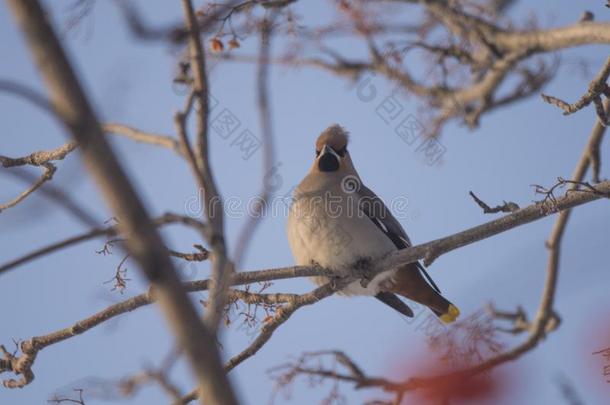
column 334, row 136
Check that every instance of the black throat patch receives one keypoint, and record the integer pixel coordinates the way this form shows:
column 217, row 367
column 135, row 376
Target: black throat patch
column 328, row 163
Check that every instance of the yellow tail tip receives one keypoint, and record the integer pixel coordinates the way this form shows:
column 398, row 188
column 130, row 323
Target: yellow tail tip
column 451, row 315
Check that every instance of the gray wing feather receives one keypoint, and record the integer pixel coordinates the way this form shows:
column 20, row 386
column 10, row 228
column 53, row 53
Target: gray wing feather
column 377, row 211
column 381, row 216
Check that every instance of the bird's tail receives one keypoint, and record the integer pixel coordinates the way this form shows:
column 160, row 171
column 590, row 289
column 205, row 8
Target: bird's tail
column 394, row 302
column 414, row 283
column 448, row 314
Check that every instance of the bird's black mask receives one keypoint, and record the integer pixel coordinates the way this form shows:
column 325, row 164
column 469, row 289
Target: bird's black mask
column 328, row 162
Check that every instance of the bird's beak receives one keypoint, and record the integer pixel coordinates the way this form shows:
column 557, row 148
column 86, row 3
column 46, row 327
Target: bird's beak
column 328, row 161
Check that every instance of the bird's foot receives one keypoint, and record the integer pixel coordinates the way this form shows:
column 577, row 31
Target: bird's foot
column 363, row 269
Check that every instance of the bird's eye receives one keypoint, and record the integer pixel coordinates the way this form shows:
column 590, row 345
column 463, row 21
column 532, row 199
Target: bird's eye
column 317, row 153
column 341, row 152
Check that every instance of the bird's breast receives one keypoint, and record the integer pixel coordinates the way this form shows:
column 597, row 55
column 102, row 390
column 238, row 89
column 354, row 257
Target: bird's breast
column 336, row 235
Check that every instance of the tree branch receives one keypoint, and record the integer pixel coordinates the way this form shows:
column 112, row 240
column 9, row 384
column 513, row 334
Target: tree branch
column 46, row 176
column 281, row 315
column 221, row 267
column 394, row 260
column 597, row 88
column 554, row 39
column 143, row 241
column 39, row 158
column 484, row 56
column 505, row 207
column 109, row 231
column 164, row 141
column 58, row 196
column 546, row 319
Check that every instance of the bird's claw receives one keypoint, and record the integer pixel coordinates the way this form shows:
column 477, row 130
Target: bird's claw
column 363, row 271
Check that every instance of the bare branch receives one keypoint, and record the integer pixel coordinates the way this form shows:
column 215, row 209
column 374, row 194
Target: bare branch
column 164, row 141
column 17, row 365
column 221, row 267
column 39, row 158
column 143, row 241
column 484, row 56
column 554, row 39
column 120, row 279
column 200, row 256
column 43, row 158
column 504, row 40
column 46, row 176
column 143, row 31
column 57, row 196
column 505, row 207
column 60, row 400
column 27, row 94
column 109, row 231
column 431, row 249
column 546, row 319
column 281, row 315
column 176, row 33
column 258, row 298
column 597, row 88
column 518, row 318
column 159, row 376
column 477, row 47
column 129, row 385
column 285, row 374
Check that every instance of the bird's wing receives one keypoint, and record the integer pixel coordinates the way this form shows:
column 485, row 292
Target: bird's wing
column 375, row 209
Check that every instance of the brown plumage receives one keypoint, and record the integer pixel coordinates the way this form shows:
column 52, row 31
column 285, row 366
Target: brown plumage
column 410, row 283
column 334, row 136
column 359, row 226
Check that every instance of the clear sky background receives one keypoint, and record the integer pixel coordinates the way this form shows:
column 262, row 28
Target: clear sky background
column 129, row 82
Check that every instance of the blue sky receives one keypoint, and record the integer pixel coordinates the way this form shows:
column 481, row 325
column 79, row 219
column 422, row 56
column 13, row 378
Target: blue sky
column 130, row 82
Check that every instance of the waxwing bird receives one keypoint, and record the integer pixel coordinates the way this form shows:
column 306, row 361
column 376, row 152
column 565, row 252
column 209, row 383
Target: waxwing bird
column 335, row 221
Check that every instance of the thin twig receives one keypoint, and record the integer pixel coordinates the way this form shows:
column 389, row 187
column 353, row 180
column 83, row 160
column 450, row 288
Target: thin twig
column 200, row 256
column 27, row 93
column 109, row 231
column 46, row 176
column 281, row 315
column 39, row 158
column 597, row 88
column 137, row 135
column 221, row 267
column 60, row 400
column 58, row 196
column 505, row 207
